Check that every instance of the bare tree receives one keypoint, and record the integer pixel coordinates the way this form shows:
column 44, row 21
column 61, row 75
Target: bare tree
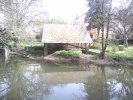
column 123, row 22
column 17, row 16
column 17, row 13
column 99, row 16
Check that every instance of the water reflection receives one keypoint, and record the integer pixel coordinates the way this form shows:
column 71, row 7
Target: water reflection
column 22, row 79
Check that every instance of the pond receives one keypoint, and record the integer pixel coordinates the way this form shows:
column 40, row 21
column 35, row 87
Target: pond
column 23, row 79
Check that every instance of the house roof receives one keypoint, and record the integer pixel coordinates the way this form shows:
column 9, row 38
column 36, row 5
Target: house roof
column 63, row 33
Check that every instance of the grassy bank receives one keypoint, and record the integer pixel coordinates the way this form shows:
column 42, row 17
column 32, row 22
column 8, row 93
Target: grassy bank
column 67, row 53
column 120, row 53
column 28, row 43
column 115, row 52
column 33, row 48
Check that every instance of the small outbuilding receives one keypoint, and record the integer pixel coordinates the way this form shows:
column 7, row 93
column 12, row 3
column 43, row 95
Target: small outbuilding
column 59, row 36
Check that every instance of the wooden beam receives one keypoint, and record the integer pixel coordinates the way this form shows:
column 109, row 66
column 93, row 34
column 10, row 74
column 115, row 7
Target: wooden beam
column 45, row 49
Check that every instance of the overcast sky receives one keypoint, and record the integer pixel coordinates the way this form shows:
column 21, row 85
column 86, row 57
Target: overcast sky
column 68, row 10
column 65, row 9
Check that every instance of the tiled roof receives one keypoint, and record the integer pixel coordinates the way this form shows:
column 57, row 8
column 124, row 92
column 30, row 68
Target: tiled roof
column 63, row 33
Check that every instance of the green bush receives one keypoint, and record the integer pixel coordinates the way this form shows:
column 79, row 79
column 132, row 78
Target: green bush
column 121, row 47
column 112, row 48
column 125, row 55
column 67, row 53
column 96, row 45
column 129, row 50
column 93, row 52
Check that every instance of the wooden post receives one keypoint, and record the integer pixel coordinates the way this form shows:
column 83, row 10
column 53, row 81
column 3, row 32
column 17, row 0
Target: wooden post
column 6, row 52
column 45, row 49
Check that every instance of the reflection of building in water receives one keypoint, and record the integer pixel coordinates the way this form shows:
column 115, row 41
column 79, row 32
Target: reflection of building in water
column 34, row 67
column 20, row 81
column 66, row 77
column 89, row 67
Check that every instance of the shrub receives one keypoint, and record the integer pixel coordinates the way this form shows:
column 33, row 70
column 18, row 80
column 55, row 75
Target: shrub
column 67, row 53
column 112, row 48
column 121, row 47
column 93, row 52
column 121, row 55
column 96, row 45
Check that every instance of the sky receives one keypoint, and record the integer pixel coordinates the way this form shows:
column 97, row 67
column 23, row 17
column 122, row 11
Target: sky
column 67, row 10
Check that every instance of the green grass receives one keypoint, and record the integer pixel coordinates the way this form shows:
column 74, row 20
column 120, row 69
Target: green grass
column 112, row 48
column 121, row 55
column 67, row 53
column 93, row 52
column 27, row 43
column 115, row 52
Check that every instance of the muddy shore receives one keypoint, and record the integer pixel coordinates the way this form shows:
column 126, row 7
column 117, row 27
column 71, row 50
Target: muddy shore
column 85, row 60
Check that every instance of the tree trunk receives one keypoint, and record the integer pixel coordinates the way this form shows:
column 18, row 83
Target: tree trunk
column 98, row 32
column 102, row 54
column 6, row 53
column 125, row 37
column 126, row 41
column 105, row 41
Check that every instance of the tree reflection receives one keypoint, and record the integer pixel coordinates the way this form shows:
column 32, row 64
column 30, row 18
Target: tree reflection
column 96, row 85
column 121, row 87
column 16, row 83
column 110, row 84
column 19, row 81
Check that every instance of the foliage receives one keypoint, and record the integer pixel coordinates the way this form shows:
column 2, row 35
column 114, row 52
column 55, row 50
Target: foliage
column 93, row 52
column 121, row 47
column 126, row 54
column 96, row 45
column 99, row 16
column 122, row 23
column 112, row 48
column 28, row 43
column 115, row 52
column 93, row 16
column 95, row 13
column 6, row 38
column 18, row 15
column 67, row 53
column 121, row 56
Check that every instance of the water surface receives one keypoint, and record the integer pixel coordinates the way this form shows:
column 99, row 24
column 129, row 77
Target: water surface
column 23, row 79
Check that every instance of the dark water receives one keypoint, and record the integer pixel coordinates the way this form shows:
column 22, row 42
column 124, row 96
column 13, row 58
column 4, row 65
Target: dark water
column 22, row 79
